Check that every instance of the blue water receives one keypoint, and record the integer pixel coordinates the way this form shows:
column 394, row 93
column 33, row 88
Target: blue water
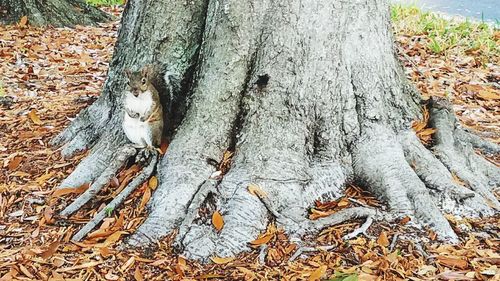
column 487, row 10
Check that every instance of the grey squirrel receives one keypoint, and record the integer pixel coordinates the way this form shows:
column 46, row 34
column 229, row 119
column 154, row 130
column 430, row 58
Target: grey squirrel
column 143, row 120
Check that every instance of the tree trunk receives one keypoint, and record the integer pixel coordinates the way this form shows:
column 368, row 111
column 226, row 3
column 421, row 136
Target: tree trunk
column 51, row 12
column 309, row 95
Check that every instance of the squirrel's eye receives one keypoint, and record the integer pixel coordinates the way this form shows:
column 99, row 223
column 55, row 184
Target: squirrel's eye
column 143, row 81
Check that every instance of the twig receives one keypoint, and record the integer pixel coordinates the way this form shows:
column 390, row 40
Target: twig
column 137, row 181
column 302, row 250
column 207, row 187
column 362, row 229
column 262, row 254
column 100, row 182
column 393, row 243
column 345, row 215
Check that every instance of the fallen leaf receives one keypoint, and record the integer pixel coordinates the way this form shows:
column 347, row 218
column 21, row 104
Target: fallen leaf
column 153, row 182
column 23, row 21
column 71, row 190
column 256, row 190
column 452, row 262
column 219, row 260
column 14, row 162
column 263, row 239
column 382, row 239
column 217, row 220
column 34, row 117
column 318, row 273
column 138, row 274
column 50, row 250
column 113, row 238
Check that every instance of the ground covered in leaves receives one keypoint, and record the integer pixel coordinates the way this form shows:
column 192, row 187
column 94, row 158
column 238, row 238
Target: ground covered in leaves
column 49, row 75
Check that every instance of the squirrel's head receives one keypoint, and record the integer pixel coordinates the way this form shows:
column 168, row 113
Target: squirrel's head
column 139, row 81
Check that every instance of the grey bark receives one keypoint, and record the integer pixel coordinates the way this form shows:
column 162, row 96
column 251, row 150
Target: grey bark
column 57, row 13
column 309, row 95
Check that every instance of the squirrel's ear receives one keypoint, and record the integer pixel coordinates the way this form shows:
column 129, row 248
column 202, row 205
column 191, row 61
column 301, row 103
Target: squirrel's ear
column 128, row 73
column 147, row 70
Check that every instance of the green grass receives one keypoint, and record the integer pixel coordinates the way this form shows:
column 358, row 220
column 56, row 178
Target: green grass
column 105, row 2
column 444, row 36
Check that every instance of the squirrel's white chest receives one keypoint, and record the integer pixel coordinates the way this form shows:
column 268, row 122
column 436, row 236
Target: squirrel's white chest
column 138, row 132
column 140, row 104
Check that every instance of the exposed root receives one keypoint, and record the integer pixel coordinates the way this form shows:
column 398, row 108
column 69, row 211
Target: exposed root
column 136, row 182
column 450, row 195
column 380, row 164
column 345, row 215
column 466, row 136
column 209, row 186
column 361, row 230
column 85, row 129
column 97, row 161
column 459, row 157
column 124, row 154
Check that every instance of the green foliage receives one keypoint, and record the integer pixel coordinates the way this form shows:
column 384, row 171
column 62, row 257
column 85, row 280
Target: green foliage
column 445, row 35
column 345, row 277
column 105, row 2
column 109, row 211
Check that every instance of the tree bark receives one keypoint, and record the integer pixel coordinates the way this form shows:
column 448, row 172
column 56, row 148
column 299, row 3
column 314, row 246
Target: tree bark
column 51, row 12
column 309, row 95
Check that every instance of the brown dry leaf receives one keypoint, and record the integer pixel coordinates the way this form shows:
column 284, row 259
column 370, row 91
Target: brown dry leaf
column 163, row 146
column 50, row 250
column 14, row 163
column 34, row 117
column 26, row 272
column 217, row 220
column 404, row 220
column 145, row 198
column 80, row 266
column 153, row 183
column 219, row 260
column 138, row 275
column 452, row 262
column 318, row 273
column 488, row 95
column 343, row 202
column 113, row 238
column 249, row 275
column 23, row 21
column 264, row 239
column 382, row 239
column 105, row 252
column 256, row 191
column 73, row 190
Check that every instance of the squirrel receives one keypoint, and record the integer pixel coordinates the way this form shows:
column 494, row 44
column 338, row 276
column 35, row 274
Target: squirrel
column 143, row 120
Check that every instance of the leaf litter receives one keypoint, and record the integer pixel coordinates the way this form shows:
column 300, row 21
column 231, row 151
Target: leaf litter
column 51, row 74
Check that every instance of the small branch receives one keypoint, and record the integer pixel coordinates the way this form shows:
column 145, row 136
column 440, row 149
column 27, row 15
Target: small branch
column 361, row 230
column 393, row 243
column 101, row 181
column 262, row 254
column 209, row 186
column 304, row 249
column 345, row 215
column 136, row 182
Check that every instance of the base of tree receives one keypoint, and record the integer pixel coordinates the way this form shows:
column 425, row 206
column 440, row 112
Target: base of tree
column 57, row 13
column 309, row 98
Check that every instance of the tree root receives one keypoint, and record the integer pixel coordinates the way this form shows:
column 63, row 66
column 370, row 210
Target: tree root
column 209, row 186
column 123, row 155
column 459, row 157
column 136, row 182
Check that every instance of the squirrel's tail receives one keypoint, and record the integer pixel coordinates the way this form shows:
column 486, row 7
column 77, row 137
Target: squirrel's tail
column 172, row 82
